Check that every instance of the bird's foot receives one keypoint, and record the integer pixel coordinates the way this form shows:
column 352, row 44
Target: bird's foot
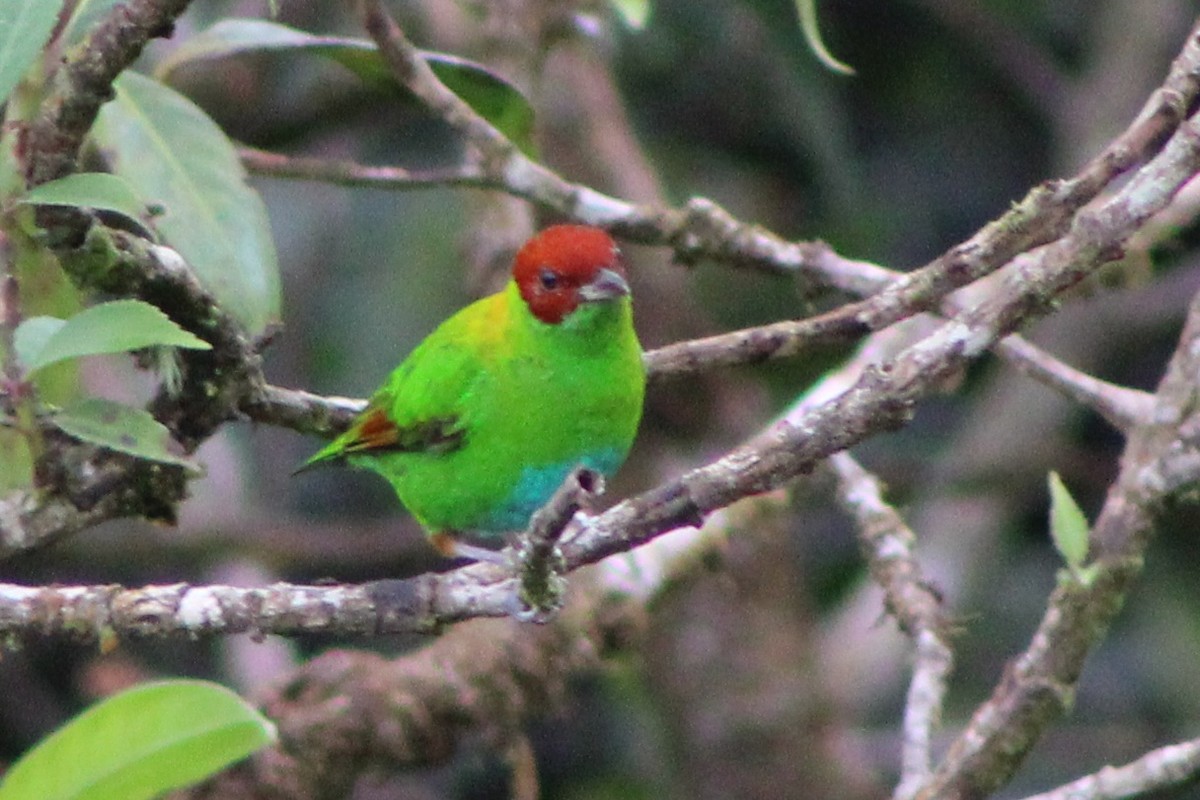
column 451, row 547
column 542, row 587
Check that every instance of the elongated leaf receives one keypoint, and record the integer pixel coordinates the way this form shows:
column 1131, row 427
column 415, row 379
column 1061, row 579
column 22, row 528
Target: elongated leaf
column 97, row 190
column 120, row 427
column 173, row 154
column 807, row 9
column 114, row 327
column 1068, row 525
column 25, row 25
column 87, row 14
column 494, row 98
column 141, row 743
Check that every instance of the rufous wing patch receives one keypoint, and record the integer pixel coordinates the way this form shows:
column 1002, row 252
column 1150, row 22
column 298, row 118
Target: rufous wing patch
column 375, row 431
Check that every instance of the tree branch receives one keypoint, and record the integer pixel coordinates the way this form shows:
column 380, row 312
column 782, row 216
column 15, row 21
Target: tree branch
column 885, row 395
column 1160, row 457
column 84, row 81
column 888, row 544
column 1164, row 768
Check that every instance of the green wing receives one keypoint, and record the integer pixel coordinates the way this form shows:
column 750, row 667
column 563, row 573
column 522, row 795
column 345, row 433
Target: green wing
column 423, row 406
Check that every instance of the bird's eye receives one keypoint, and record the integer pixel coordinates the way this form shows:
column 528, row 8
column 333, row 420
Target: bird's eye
column 548, row 279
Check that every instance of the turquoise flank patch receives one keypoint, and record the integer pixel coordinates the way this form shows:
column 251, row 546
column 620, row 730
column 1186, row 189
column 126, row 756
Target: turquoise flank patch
column 536, row 486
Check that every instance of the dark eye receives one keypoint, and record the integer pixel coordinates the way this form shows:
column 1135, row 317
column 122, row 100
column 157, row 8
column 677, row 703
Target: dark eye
column 549, row 280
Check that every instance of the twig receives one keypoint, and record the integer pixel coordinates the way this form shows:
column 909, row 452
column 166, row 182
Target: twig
column 351, row 174
column 1122, row 407
column 302, row 411
column 1163, row 768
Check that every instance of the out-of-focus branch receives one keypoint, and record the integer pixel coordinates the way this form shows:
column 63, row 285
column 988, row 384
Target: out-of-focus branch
column 1160, row 769
column 889, row 544
column 352, row 174
column 1028, row 67
column 1122, row 407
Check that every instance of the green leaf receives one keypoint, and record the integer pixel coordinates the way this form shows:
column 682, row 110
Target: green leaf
column 31, row 336
column 173, row 154
column 114, row 327
column 492, row 97
column 633, row 13
column 86, row 15
column 97, row 190
column 807, row 9
column 1068, row 525
column 141, row 743
column 120, row 427
column 25, row 25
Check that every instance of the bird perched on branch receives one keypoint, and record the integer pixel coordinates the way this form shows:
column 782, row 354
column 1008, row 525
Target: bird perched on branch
column 488, row 415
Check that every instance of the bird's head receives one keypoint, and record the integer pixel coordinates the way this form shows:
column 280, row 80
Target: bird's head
column 568, row 266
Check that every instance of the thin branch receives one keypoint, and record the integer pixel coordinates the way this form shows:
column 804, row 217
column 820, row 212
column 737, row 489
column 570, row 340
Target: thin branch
column 888, row 544
column 351, row 174
column 1124, row 408
column 1164, row 768
column 302, row 411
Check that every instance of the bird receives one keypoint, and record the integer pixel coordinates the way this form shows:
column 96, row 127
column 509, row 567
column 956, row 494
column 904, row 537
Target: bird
column 488, row 415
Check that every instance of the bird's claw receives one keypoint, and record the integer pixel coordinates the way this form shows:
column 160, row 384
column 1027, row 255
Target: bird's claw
column 541, row 589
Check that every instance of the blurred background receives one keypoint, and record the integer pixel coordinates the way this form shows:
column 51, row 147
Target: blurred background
column 778, row 669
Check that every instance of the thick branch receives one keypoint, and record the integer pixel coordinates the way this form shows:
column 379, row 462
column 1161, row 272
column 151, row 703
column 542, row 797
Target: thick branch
column 344, row 713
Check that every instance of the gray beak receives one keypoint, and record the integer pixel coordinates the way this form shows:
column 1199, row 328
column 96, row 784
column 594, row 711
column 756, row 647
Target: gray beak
column 607, row 285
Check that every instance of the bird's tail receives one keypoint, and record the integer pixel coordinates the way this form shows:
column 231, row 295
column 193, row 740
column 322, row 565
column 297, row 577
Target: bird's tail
column 328, row 454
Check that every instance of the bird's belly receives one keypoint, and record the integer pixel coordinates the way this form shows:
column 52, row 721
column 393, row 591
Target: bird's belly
column 536, row 485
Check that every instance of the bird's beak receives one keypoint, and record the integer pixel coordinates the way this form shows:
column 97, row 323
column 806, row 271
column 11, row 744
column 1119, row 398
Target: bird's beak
column 607, row 285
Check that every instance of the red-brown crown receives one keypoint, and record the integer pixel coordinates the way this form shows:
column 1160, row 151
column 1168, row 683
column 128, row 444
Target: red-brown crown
column 565, row 266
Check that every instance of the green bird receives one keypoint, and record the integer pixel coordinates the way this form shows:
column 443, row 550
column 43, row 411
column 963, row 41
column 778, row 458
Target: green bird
column 483, row 421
